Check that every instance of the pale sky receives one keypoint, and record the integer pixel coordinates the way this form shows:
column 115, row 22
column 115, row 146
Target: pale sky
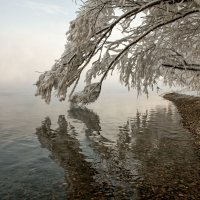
column 32, row 36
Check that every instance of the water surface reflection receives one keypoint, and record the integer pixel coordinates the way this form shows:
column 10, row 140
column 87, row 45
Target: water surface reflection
column 152, row 158
column 65, row 151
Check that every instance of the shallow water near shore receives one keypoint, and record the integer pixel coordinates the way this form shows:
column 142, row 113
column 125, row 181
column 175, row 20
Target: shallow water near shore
column 121, row 147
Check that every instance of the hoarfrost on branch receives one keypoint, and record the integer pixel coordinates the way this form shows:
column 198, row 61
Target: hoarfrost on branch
column 155, row 38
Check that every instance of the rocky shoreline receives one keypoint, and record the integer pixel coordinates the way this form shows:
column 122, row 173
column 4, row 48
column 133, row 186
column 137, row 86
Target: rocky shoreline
column 189, row 109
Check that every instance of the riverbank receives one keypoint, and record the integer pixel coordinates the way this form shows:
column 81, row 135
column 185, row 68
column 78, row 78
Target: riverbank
column 189, row 109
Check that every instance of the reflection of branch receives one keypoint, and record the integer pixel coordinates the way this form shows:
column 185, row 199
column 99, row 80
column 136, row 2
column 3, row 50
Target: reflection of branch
column 148, row 155
column 66, row 149
column 112, row 166
column 88, row 117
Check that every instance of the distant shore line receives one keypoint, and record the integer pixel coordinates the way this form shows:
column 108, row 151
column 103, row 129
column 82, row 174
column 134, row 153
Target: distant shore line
column 189, row 109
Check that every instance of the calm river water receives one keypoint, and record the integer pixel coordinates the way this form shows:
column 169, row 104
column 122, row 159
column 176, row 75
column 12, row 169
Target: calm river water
column 121, row 147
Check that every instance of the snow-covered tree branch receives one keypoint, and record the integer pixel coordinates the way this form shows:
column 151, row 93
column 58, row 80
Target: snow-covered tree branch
column 142, row 40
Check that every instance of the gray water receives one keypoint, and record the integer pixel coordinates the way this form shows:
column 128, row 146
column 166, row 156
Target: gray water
column 121, row 147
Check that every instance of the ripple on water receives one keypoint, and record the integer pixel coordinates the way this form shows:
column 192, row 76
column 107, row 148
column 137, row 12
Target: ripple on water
column 139, row 155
